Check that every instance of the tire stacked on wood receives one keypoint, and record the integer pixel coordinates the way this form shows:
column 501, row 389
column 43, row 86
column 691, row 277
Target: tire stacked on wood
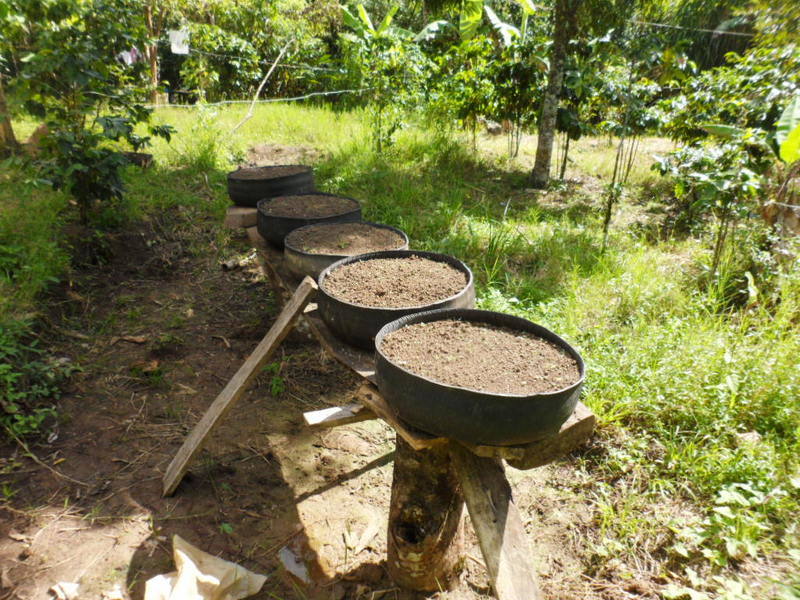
column 249, row 185
column 357, row 324
column 275, row 227
column 470, row 415
column 302, row 261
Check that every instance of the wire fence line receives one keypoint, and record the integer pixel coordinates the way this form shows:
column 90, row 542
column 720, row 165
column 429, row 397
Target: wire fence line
column 264, row 101
column 698, row 29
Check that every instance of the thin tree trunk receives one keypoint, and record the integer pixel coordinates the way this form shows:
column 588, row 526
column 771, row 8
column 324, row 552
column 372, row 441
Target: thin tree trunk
column 564, row 29
column 564, row 161
column 152, row 52
column 8, row 141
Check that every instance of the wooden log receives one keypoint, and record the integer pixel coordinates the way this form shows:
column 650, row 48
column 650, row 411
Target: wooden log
column 573, row 433
column 237, row 385
column 240, row 216
column 337, row 415
column 426, row 520
column 498, row 525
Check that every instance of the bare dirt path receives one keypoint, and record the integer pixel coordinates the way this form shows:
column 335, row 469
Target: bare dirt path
column 158, row 331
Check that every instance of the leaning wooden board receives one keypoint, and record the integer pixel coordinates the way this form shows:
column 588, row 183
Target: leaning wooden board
column 238, row 384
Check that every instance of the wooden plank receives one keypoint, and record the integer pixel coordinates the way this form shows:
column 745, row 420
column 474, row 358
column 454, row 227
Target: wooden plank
column 498, row 525
column 237, row 385
column 360, row 361
column 272, row 263
column 573, row 433
column 368, row 395
column 240, row 216
column 337, row 415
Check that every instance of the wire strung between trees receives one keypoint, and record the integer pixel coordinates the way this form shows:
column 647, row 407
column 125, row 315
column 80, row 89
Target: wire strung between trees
column 714, row 31
column 264, row 101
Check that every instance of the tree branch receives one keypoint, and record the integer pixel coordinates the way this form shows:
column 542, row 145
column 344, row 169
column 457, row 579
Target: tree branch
column 249, row 114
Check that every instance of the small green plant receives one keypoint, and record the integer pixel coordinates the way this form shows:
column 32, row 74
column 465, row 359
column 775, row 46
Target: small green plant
column 30, row 382
column 389, row 65
column 226, row 528
column 277, row 385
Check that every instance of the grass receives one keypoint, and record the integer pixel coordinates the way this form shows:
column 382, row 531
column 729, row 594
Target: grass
column 677, row 370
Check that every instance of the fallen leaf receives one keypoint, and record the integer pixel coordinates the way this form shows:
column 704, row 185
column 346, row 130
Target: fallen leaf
column 19, row 537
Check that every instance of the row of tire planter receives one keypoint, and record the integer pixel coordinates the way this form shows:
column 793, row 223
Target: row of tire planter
column 459, row 413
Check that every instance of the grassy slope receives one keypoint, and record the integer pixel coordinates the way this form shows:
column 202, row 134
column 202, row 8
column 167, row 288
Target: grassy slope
column 673, row 375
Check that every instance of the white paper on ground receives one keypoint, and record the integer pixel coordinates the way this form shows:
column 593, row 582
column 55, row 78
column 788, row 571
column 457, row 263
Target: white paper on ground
column 201, row 576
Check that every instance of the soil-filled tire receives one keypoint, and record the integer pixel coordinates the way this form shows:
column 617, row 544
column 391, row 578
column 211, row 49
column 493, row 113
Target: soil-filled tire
column 275, row 228
column 357, row 325
column 301, row 263
column 247, row 186
column 468, row 415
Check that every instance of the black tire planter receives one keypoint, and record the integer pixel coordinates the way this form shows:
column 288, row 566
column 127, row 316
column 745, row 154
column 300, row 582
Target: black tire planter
column 472, row 416
column 357, row 325
column 247, row 192
column 301, row 263
column 274, row 229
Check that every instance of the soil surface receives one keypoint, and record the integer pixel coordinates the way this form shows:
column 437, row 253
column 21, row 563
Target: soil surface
column 309, row 206
column 268, row 172
column 343, row 239
column 481, row 357
column 395, row 282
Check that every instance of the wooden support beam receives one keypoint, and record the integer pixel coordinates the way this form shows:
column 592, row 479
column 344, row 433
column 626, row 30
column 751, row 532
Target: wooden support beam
column 498, row 525
column 575, row 432
column 237, row 385
column 240, row 216
column 425, row 537
column 337, row 415
column 369, row 396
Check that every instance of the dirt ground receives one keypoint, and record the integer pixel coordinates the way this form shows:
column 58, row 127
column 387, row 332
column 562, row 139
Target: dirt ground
column 157, row 331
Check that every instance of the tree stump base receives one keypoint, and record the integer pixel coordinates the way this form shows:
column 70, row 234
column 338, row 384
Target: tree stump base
column 426, row 520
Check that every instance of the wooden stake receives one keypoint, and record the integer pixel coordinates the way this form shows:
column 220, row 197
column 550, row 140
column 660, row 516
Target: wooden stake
column 426, row 525
column 498, row 525
column 238, row 384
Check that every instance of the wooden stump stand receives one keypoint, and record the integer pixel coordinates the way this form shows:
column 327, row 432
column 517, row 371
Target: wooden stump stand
column 433, row 477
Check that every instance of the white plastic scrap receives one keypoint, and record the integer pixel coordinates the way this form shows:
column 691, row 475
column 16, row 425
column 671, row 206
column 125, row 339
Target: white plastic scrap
column 65, row 590
column 201, row 576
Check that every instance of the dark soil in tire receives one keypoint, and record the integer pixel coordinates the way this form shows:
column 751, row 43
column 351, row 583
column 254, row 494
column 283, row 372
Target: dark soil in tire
column 344, row 239
column 309, row 206
column 268, row 172
column 395, row 282
column 481, row 357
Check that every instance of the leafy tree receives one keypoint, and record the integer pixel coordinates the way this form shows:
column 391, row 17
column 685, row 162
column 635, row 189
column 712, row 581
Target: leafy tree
column 221, row 65
column 565, row 18
column 68, row 75
column 389, row 64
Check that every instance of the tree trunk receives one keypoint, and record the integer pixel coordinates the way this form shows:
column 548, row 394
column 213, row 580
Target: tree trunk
column 426, row 525
column 564, row 161
column 8, row 141
column 564, row 29
column 152, row 52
